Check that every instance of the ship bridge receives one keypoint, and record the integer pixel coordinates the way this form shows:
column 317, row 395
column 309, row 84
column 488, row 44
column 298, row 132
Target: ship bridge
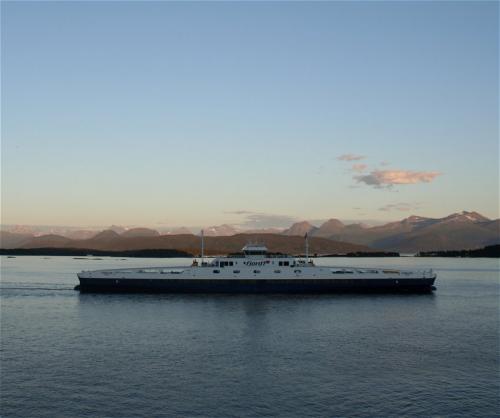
column 255, row 250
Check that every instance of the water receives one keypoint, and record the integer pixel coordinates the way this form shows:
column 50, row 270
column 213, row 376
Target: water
column 70, row 354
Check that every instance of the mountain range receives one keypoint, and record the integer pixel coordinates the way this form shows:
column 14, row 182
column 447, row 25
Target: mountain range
column 464, row 230
column 110, row 240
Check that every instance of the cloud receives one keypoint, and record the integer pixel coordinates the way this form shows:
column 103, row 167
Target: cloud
column 239, row 212
column 350, row 157
column 400, row 207
column 387, row 178
column 258, row 220
column 359, row 168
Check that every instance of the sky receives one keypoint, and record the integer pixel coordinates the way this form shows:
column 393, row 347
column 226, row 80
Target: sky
column 250, row 113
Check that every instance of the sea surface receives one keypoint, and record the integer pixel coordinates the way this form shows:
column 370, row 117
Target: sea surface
column 66, row 354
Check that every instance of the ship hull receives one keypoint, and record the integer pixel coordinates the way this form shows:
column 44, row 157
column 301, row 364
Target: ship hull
column 189, row 285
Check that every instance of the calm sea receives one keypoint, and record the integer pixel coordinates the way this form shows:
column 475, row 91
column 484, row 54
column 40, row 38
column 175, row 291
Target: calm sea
column 66, row 354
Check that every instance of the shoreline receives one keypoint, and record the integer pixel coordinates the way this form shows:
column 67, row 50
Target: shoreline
column 487, row 252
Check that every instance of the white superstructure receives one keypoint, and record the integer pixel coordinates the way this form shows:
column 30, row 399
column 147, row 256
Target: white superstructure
column 255, row 262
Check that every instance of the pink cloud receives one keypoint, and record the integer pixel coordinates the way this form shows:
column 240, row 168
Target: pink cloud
column 350, row 157
column 359, row 168
column 387, row 178
column 402, row 207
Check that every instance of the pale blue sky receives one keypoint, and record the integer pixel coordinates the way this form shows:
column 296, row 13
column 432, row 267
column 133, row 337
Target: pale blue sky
column 158, row 113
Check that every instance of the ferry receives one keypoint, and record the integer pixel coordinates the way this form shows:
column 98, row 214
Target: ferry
column 256, row 270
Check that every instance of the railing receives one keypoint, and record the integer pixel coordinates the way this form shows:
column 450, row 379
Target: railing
column 353, row 270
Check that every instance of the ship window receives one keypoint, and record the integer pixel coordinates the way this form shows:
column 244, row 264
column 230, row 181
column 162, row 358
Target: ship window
column 286, row 263
column 236, row 271
column 280, row 263
column 256, row 271
column 231, row 263
column 277, row 271
column 216, row 271
column 297, row 271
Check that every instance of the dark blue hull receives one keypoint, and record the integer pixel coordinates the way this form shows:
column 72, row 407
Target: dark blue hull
column 256, row 286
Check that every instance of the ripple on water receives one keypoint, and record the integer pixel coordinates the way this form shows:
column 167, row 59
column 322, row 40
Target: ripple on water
column 66, row 354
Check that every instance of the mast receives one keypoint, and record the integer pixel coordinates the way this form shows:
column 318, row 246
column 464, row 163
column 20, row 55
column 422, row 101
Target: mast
column 307, row 248
column 202, row 246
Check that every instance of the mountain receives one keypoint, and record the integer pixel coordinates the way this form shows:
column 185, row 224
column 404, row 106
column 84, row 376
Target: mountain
column 111, row 241
column 263, row 231
column 220, row 231
column 454, row 232
column 48, row 241
column 300, row 229
column 464, row 230
column 80, row 234
column 180, row 231
column 106, row 235
column 466, row 217
column 140, row 232
column 13, row 240
column 493, row 226
column 330, row 227
column 118, row 229
column 38, row 230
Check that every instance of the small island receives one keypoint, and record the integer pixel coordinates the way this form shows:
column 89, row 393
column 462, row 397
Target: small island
column 78, row 252
column 490, row 251
column 365, row 254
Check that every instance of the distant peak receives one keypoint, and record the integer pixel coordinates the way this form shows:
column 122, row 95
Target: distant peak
column 465, row 216
column 334, row 221
column 302, row 223
column 474, row 216
column 415, row 218
column 331, row 226
column 140, row 232
column 107, row 234
column 299, row 228
column 220, row 230
column 116, row 228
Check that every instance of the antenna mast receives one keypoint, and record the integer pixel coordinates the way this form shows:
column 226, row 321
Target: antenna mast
column 202, row 246
column 307, row 248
